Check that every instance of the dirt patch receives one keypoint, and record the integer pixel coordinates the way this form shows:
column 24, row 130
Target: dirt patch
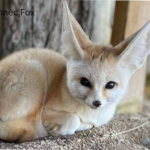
column 94, row 139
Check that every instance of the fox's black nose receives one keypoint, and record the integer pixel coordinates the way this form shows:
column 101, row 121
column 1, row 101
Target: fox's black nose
column 96, row 103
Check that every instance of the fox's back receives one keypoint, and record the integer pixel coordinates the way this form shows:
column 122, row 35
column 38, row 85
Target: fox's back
column 25, row 72
column 48, row 58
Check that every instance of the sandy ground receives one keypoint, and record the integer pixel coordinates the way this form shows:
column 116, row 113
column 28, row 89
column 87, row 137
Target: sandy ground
column 94, row 139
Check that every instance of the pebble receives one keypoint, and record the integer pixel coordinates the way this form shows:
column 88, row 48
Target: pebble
column 146, row 142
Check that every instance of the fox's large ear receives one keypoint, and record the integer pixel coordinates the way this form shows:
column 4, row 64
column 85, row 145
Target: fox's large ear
column 74, row 40
column 134, row 50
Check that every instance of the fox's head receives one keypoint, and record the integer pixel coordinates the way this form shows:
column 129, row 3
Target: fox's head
column 99, row 75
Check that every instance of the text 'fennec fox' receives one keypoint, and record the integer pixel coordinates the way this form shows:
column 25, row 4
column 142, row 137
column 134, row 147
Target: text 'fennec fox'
column 43, row 92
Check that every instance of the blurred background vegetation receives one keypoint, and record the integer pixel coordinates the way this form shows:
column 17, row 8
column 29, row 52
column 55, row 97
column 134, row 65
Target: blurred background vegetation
column 106, row 22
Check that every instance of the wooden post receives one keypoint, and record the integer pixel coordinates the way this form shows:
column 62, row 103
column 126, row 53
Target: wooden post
column 119, row 22
column 1, row 30
column 137, row 15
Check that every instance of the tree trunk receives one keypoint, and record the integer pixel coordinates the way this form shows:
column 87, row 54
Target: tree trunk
column 44, row 28
column 41, row 30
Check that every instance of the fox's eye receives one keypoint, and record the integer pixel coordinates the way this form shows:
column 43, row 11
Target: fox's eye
column 85, row 82
column 110, row 85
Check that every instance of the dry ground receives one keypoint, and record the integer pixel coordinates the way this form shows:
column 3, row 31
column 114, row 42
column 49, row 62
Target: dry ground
column 94, row 139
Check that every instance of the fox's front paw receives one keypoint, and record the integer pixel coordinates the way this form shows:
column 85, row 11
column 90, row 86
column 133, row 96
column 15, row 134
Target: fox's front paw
column 56, row 130
column 53, row 129
column 68, row 128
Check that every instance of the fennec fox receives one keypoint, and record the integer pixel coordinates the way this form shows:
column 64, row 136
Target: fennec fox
column 43, row 92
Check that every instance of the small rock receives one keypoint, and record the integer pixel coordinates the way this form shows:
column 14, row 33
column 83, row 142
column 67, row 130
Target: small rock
column 146, row 142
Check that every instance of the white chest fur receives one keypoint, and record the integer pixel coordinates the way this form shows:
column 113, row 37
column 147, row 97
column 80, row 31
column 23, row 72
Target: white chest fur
column 90, row 117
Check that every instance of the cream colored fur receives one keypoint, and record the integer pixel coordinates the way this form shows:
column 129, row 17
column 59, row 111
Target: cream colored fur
column 41, row 93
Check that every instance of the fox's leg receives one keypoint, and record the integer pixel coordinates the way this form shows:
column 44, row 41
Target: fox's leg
column 17, row 130
column 60, row 123
column 23, row 129
column 22, row 96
